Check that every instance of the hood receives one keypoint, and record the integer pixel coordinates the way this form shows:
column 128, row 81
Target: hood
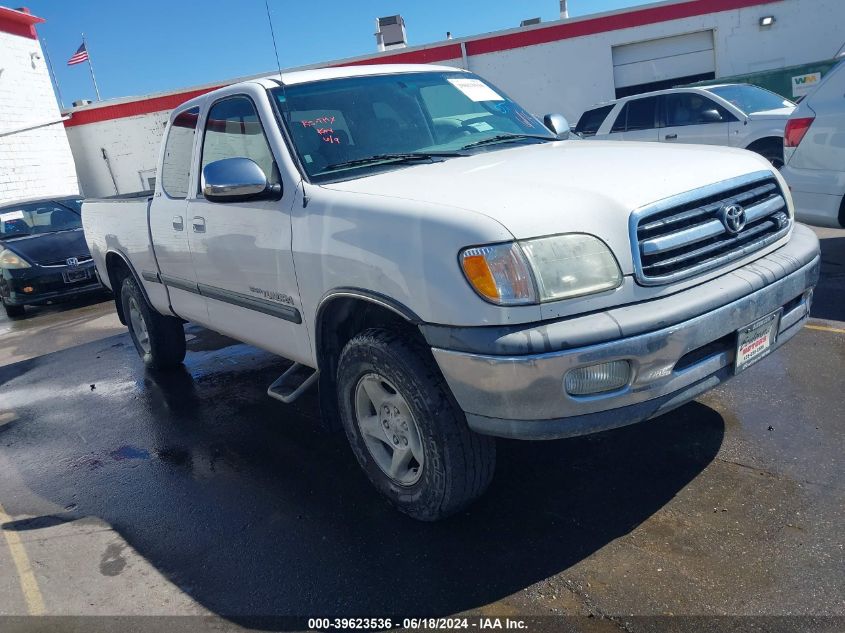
column 778, row 113
column 542, row 189
column 45, row 248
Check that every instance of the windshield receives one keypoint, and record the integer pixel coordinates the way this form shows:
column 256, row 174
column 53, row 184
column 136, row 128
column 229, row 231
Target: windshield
column 751, row 98
column 46, row 216
column 346, row 128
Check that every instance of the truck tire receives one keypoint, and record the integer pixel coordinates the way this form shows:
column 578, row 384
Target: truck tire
column 405, row 428
column 13, row 311
column 159, row 339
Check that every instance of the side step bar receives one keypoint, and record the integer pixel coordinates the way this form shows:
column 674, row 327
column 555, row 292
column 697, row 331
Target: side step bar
column 293, row 383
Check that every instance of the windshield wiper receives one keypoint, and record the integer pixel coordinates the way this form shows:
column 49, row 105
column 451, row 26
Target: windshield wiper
column 403, row 157
column 506, row 138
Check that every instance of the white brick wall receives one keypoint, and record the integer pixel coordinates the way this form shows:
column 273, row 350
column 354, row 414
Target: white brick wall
column 131, row 144
column 36, row 162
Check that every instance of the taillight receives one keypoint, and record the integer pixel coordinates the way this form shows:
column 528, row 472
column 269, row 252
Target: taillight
column 795, row 131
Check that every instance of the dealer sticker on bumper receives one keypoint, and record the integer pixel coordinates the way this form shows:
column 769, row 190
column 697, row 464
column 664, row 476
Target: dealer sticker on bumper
column 755, row 341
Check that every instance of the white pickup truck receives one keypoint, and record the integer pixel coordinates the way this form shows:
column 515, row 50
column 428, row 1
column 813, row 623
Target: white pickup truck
column 450, row 269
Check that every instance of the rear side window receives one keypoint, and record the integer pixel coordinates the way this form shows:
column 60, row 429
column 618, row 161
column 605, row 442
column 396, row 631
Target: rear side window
column 233, row 130
column 176, row 166
column 591, row 120
column 641, row 114
column 637, row 114
column 619, row 123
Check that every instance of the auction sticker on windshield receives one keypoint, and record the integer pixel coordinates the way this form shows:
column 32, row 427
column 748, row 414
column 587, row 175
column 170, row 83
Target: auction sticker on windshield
column 476, row 89
column 755, row 341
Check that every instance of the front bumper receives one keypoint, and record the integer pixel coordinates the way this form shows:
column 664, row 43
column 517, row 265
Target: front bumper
column 47, row 283
column 692, row 350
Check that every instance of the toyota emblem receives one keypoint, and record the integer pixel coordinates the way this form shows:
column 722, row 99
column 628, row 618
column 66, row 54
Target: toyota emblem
column 733, row 217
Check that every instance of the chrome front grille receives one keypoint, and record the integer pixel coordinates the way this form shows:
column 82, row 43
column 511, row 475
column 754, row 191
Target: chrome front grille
column 706, row 228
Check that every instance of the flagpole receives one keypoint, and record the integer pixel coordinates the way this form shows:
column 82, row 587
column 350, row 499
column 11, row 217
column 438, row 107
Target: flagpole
column 53, row 73
column 91, row 68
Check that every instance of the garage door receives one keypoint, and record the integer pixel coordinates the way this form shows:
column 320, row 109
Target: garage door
column 662, row 63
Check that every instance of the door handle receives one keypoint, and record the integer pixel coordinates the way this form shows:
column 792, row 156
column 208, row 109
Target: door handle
column 199, row 224
column 178, row 223
column 671, row 137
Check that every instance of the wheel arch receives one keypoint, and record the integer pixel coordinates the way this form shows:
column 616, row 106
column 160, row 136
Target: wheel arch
column 763, row 141
column 118, row 267
column 341, row 314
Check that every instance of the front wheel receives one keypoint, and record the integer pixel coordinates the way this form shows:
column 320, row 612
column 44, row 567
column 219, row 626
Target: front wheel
column 405, row 428
column 159, row 339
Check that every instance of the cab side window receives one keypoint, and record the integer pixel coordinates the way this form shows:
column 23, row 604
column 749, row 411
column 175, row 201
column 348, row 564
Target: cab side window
column 176, row 166
column 233, row 130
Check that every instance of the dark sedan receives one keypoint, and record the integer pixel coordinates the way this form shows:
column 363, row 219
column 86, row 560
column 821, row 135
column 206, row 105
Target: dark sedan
column 43, row 255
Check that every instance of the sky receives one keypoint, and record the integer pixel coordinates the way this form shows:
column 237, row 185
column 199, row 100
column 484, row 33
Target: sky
column 143, row 47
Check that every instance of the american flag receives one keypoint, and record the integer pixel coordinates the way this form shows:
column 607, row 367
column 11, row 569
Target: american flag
column 79, row 56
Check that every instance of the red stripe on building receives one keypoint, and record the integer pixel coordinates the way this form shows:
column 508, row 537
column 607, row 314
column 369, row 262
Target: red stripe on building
column 438, row 53
column 19, row 22
column 604, row 24
column 134, row 108
column 421, row 56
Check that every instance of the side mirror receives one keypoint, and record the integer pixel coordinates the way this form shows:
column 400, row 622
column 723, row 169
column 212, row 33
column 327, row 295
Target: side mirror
column 237, row 180
column 558, row 124
column 711, row 116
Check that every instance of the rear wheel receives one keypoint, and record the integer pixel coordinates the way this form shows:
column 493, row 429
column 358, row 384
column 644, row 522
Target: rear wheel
column 771, row 150
column 13, row 311
column 405, row 428
column 159, row 339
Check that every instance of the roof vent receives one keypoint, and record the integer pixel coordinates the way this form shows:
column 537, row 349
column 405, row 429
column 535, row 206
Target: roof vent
column 564, row 10
column 390, row 33
column 530, row 22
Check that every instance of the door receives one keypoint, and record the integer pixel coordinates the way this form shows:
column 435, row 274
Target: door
column 691, row 117
column 168, row 223
column 664, row 62
column 637, row 121
column 242, row 250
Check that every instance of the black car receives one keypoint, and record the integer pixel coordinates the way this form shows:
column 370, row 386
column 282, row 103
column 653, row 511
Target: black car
column 43, row 255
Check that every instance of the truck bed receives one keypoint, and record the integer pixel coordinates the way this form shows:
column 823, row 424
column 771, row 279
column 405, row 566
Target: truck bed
column 120, row 224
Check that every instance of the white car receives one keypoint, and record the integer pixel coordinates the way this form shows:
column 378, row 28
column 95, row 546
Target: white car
column 735, row 115
column 448, row 268
column 815, row 152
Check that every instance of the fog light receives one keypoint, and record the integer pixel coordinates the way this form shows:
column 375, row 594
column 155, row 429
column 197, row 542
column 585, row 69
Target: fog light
column 28, row 289
column 600, row 378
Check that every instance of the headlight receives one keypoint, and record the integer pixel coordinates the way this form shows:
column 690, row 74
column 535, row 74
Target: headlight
column 499, row 273
column 571, row 265
column 542, row 269
column 8, row 259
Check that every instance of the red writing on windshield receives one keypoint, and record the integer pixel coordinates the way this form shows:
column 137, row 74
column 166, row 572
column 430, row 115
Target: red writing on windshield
column 326, row 133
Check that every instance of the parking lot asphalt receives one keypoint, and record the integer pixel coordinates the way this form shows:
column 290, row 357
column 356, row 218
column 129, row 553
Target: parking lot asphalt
column 127, row 492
